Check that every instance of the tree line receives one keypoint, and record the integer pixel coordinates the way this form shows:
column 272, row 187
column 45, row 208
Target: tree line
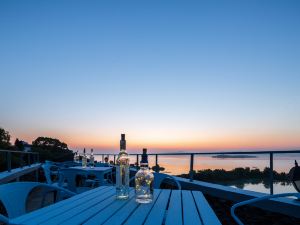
column 48, row 148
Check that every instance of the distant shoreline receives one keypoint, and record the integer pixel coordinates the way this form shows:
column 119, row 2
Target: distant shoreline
column 233, row 156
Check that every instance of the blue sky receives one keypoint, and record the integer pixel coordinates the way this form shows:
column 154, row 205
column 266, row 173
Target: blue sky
column 170, row 74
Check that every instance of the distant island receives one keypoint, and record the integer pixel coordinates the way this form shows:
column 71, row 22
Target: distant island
column 233, row 156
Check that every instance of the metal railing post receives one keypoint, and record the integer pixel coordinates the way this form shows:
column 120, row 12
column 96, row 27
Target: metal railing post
column 22, row 160
column 271, row 173
column 8, row 157
column 192, row 168
column 137, row 160
column 114, row 159
column 28, row 156
column 156, row 164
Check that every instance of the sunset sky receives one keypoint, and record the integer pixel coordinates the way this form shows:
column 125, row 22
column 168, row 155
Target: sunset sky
column 172, row 75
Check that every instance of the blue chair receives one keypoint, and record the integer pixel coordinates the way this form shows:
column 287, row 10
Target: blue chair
column 49, row 170
column 67, row 177
column 160, row 178
column 258, row 200
column 15, row 195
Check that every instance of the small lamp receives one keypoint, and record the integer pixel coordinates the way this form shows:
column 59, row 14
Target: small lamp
column 295, row 176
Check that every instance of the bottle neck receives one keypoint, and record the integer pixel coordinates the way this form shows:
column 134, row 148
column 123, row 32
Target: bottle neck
column 144, row 165
column 122, row 150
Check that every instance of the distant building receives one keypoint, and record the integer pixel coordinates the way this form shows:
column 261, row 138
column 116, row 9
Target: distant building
column 26, row 146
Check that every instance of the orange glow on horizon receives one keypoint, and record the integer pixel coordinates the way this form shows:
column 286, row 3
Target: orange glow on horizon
column 172, row 143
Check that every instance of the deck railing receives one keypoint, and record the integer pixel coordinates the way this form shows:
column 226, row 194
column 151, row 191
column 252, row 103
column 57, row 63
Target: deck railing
column 192, row 159
column 22, row 158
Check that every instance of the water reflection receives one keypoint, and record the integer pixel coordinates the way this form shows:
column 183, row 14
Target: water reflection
column 176, row 165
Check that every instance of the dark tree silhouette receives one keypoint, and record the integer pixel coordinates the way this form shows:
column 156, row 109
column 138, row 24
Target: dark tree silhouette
column 49, row 143
column 52, row 149
column 19, row 145
column 4, row 139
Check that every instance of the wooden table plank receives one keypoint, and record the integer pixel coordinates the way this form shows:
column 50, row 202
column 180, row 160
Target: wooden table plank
column 142, row 211
column 190, row 213
column 100, row 199
column 82, row 217
column 174, row 214
column 71, row 201
column 207, row 214
column 121, row 216
column 156, row 216
column 104, row 215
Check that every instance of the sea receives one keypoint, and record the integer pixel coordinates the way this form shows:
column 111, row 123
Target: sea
column 180, row 164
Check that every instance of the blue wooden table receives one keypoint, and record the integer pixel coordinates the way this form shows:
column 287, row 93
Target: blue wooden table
column 99, row 206
column 99, row 172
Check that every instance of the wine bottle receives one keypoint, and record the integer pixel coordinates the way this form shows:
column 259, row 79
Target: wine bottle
column 84, row 159
column 92, row 159
column 122, row 171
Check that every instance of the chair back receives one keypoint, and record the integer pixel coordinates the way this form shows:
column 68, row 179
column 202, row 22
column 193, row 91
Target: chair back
column 14, row 195
column 47, row 171
column 159, row 178
column 69, row 175
column 46, row 168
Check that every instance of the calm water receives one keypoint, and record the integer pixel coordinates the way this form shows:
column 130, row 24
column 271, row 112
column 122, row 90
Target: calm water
column 176, row 165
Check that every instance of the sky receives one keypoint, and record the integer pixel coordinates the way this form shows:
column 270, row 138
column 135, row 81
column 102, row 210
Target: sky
column 172, row 75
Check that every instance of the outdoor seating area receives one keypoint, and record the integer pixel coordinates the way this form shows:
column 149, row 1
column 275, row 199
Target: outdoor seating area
column 99, row 206
column 72, row 194
column 73, row 189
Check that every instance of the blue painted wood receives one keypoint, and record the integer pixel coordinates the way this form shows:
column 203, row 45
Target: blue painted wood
column 100, row 206
column 190, row 213
column 142, row 211
column 207, row 214
column 82, row 217
column 174, row 214
column 105, row 214
column 82, row 208
column 123, row 213
column 44, row 211
column 157, row 213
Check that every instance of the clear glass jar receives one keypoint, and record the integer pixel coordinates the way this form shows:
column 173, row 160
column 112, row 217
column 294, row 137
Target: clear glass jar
column 144, row 180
